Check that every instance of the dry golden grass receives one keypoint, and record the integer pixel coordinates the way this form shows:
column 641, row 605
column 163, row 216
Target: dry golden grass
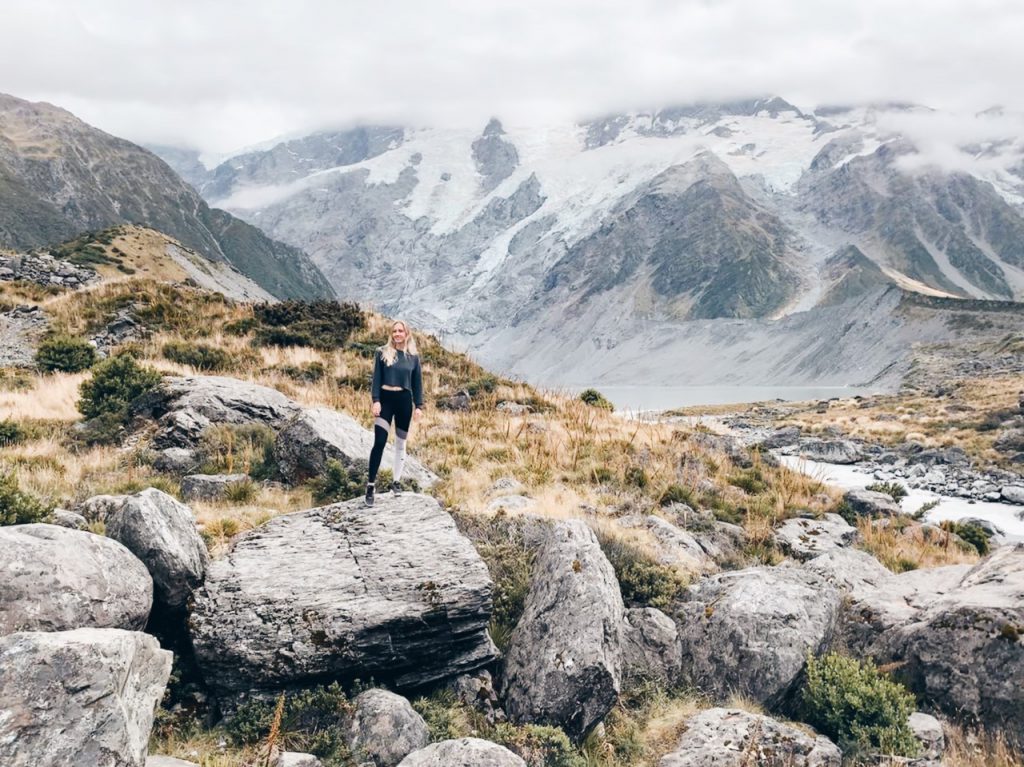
column 52, row 397
column 965, row 748
column 912, row 547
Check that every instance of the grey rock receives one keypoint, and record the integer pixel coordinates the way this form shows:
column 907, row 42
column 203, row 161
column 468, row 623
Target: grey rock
column 494, row 155
column 187, row 406
column 70, row 519
column 788, row 435
column 464, row 752
column 676, row 547
column 1012, row 494
column 176, row 460
column 385, row 728
column 394, row 592
column 85, row 697
column 317, row 435
column 506, row 486
column 928, row 731
column 162, row 533
column 805, row 539
column 750, row 631
column 950, row 456
column 55, row 579
column 296, row 759
column 21, row 330
column 965, row 651
column 510, row 503
column 461, row 400
column 99, row 507
column 477, row 690
column 650, row 645
column 156, row 760
column 563, row 664
column 726, row 737
column 850, row 570
column 514, row 408
column 1010, row 441
column 210, row 487
column 869, row 503
column 831, row 451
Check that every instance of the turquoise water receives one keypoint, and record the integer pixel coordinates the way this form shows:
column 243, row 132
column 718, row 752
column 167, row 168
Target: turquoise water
column 636, row 398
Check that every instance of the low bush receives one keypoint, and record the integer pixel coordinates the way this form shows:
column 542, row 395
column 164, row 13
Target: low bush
column 643, row 581
column 594, row 398
column 342, row 483
column 115, row 384
column 310, row 372
column 199, row 356
column 635, row 476
column 317, row 324
column 858, row 706
column 971, row 533
column 311, row 722
column 894, row 490
column 65, row 354
column 18, row 507
column 246, row 449
column 751, row 481
column 538, row 745
column 677, row 494
column 10, row 433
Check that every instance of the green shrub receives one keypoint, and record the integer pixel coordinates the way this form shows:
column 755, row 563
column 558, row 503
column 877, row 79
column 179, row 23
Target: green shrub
column 199, row 356
column 643, row 581
column 636, row 477
column 241, row 492
column 311, row 722
column 318, row 324
column 749, row 480
column 676, row 494
column 342, row 483
column 894, row 490
column 594, row 398
column 857, row 706
column 18, row 507
column 538, row 745
column 485, row 383
column 10, row 433
column 115, row 383
column 445, row 717
column 66, row 354
column 242, row 327
column 311, row 372
column 972, row 533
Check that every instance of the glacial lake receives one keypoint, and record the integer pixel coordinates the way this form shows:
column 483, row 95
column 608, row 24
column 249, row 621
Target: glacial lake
column 633, row 399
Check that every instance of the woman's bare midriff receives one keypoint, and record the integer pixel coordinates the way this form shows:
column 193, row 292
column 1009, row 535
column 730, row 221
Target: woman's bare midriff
column 391, row 388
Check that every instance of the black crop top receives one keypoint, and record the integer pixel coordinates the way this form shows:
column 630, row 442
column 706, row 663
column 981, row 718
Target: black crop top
column 405, row 372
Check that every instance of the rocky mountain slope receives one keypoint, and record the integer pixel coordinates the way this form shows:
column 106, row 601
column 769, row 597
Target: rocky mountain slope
column 673, row 223
column 60, row 177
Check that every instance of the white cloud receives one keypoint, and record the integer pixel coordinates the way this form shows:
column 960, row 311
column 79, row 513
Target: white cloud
column 218, row 75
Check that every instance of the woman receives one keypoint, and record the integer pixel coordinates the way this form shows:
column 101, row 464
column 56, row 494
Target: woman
column 397, row 385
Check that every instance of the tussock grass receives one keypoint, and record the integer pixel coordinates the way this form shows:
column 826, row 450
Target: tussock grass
column 904, row 545
column 49, row 398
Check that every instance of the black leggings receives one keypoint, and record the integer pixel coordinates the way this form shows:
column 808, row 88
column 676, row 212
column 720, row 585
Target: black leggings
column 395, row 405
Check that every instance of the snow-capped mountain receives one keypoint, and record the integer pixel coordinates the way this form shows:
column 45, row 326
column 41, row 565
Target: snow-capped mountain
column 603, row 233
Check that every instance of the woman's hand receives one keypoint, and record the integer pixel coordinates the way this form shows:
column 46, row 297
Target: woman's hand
column 417, row 414
column 376, row 409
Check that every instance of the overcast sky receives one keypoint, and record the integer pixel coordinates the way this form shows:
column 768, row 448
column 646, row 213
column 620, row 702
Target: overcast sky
column 218, row 75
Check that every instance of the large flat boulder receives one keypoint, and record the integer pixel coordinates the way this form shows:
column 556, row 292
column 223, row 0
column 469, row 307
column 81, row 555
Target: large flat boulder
column 850, row 570
column 965, row 652
column 650, row 646
column 55, row 578
column 750, row 631
column 187, row 406
column 392, row 592
column 871, row 503
column 82, row 697
column 316, row 435
column 464, row 752
column 831, row 451
column 162, row 533
column 728, row 737
column 384, row 728
column 805, row 539
column 564, row 660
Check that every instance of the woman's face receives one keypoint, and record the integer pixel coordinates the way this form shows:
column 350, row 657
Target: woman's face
column 398, row 334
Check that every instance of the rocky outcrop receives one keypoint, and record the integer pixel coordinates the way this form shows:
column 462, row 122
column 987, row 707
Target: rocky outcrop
column 55, row 579
column 187, row 406
column 831, row 451
column 154, row 760
column 564, row 661
column 676, row 547
column 805, row 539
column 650, row 646
column 750, row 631
column 869, row 503
column 395, row 593
column 44, row 269
column 464, row 752
column 726, row 737
column 162, row 533
column 211, row 487
column 850, row 570
column 85, row 697
column 317, row 435
column 385, row 728
column 21, row 330
column 928, row 731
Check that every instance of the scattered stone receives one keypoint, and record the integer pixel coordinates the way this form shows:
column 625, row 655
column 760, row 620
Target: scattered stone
column 85, row 697
column 650, row 646
column 44, row 269
column 461, row 400
column 385, row 728
column 676, row 547
column 211, row 487
column 21, row 330
column 477, row 690
column 506, row 486
column 564, row 661
column 122, row 329
column 1012, row 494
column 831, row 451
column 510, row 503
column 869, row 503
column 1010, row 441
column 728, row 737
column 514, row 408
column 394, row 592
column 316, row 435
column 928, row 731
column 788, row 435
column 55, row 579
column 750, row 631
column 296, row 759
column 176, row 460
column 162, row 533
column 65, row 518
column 464, row 752
column 805, row 539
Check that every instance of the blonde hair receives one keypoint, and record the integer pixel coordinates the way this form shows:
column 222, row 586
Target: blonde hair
column 388, row 352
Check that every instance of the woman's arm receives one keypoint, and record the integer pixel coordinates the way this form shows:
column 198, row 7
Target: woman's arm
column 417, row 385
column 375, row 386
